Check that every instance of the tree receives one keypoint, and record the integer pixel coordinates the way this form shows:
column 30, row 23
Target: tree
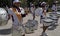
column 3, row 3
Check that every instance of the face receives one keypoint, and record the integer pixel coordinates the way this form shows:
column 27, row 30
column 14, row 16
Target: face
column 17, row 4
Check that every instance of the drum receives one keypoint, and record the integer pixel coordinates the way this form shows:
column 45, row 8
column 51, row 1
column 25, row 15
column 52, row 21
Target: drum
column 58, row 14
column 29, row 28
column 47, row 22
column 35, row 23
column 3, row 16
column 55, row 19
column 53, row 14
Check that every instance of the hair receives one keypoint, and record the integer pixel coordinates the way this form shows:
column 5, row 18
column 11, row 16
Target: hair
column 43, row 5
column 54, row 3
column 39, row 5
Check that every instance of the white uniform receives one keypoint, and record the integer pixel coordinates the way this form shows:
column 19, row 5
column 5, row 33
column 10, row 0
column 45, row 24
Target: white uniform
column 39, row 12
column 18, row 30
column 32, row 9
column 54, row 8
column 14, row 16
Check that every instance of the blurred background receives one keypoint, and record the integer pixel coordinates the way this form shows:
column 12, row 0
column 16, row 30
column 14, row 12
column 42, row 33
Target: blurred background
column 26, row 2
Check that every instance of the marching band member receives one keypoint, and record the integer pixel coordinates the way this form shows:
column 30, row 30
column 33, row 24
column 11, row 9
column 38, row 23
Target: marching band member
column 54, row 7
column 17, row 13
column 43, row 17
column 41, row 11
column 32, row 9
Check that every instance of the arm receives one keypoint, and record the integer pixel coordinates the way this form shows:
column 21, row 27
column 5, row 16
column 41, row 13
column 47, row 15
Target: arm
column 9, row 13
column 8, row 16
column 45, row 12
column 23, row 12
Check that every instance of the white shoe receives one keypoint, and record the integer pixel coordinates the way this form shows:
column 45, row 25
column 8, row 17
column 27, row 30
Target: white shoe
column 44, row 34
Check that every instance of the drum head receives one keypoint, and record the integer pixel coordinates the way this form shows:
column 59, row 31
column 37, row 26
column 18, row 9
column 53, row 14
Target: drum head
column 48, row 20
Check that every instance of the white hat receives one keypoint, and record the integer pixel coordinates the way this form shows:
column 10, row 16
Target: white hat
column 43, row 3
column 16, row 1
column 32, row 4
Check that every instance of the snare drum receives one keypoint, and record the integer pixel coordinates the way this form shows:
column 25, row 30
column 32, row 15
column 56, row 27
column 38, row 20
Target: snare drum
column 47, row 22
column 3, row 16
column 29, row 28
column 35, row 23
column 53, row 14
column 58, row 14
column 55, row 19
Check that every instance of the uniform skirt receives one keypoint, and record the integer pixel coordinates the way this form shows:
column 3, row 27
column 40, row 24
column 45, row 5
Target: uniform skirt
column 17, row 30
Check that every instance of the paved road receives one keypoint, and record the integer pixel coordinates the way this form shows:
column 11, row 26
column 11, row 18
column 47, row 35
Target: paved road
column 55, row 32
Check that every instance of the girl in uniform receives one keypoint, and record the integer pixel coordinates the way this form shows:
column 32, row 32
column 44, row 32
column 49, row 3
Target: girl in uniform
column 41, row 11
column 17, row 12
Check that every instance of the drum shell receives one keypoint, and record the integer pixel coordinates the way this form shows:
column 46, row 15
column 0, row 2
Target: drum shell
column 3, row 16
column 35, row 23
column 55, row 20
column 46, row 23
column 58, row 14
column 29, row 28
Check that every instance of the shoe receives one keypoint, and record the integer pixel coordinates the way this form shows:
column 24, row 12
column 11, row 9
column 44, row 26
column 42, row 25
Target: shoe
column 23, row 35
column 44, row 34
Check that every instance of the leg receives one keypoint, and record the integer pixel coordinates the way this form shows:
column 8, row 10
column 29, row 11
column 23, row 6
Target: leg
column 33, row 16
column 44, row 28
column 41, row 17
column 23, row 35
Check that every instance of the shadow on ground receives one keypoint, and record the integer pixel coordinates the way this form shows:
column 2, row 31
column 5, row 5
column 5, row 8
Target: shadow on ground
column 5, row 31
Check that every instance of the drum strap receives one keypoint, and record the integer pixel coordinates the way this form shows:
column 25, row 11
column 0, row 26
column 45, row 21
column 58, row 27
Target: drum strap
column 18, row 15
